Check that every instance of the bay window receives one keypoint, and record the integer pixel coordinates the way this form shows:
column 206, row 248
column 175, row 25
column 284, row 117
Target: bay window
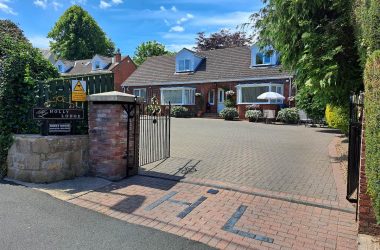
column 178, row 96
column 248, row 93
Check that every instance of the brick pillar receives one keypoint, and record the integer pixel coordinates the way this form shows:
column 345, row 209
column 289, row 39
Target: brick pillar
column 108, row 136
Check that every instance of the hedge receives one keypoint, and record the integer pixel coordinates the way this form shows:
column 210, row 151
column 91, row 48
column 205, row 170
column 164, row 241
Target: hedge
column 372, row 128
column 337, row 117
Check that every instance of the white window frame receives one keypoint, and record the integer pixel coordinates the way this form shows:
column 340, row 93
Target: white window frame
column 264, row 54
column 184, row 65
column 211, row 102
column 269, row 85
column 139, row 92
column 183, row 89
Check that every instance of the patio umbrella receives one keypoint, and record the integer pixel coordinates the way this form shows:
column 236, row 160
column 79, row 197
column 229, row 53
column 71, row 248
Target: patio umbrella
column 271, row 96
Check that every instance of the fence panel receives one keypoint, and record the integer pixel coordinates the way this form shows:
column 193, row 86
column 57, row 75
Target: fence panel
column 50, row 89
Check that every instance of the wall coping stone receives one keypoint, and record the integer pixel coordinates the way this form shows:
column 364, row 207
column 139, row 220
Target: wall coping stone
column 113, row 96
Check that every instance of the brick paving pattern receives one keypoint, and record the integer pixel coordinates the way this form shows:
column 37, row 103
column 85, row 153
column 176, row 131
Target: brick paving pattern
column 290, row 159
column 221, row 218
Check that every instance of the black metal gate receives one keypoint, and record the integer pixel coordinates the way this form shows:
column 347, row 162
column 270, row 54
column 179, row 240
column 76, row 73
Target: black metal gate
column 354, row 147
column 154, row 133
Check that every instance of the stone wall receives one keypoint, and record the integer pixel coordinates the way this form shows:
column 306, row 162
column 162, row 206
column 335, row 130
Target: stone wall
column 45, row 159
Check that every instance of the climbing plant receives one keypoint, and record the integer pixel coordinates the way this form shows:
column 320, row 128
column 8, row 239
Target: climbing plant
column 21, row 67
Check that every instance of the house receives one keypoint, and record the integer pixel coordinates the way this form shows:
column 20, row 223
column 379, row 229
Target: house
column 247, row 71
column 48, row 55
column 121, row 67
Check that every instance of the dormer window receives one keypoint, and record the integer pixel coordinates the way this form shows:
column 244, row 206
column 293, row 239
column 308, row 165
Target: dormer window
column 97, row 65
column 184, row 65
column 262, row 59
column 187, row 61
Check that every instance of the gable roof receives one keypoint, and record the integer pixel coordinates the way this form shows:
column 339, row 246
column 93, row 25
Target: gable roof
column 230, row 64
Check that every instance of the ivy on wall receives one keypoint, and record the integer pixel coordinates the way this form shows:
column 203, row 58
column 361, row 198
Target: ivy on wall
column 372, row 128
column 21, row 67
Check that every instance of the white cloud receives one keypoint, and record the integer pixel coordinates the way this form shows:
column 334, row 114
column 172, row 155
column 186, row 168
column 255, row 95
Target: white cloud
column 106, row 4
column 56, row 5
column 39, row 41
column 229, row 20
column 4, row 7
column 41, row 3
column 82, row 2
column 162, row 8
column 184, row 19
column 166, row 22
column 177, row 28
column 44, row 4
column 174, row 9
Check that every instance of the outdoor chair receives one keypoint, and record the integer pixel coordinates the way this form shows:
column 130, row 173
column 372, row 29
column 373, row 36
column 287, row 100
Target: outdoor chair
column 269, row 115
column 303, row 118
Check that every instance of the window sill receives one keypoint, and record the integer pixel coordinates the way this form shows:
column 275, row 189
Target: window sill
column 262, row 65
column 177, row 104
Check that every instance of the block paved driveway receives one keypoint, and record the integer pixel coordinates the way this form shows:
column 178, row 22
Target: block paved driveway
column 282, row 158
column 256, row 186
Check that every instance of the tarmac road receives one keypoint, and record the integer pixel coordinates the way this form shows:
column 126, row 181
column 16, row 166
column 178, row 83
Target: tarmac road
column 30, row 219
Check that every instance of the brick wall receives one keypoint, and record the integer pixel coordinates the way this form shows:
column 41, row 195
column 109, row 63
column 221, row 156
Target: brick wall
column 367, row 220
column 122, row 71
column 204, row 89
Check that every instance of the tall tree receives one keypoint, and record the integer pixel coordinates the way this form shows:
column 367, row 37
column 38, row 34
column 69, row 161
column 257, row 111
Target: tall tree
column 9, row 28
column 76, row 35
column 222, row 39
column 148, row 49
column 315, row 39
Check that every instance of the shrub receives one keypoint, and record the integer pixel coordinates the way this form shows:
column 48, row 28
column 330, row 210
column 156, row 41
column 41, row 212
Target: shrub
column 153, row 109
column 337, row 117
column 180, row 112
column 229, row 113
column 372, row 129
column 288, row 115
column 229, row 103
column 253, row 115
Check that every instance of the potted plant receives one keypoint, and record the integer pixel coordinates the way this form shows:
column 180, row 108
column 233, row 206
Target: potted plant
column 253, row 115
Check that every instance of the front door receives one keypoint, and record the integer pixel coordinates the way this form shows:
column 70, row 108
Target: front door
column 220, row 99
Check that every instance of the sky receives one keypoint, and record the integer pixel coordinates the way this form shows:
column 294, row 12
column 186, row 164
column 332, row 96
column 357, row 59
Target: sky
column 130, row 22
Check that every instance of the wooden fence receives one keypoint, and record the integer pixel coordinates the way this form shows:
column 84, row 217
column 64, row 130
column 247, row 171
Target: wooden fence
column 61, row 87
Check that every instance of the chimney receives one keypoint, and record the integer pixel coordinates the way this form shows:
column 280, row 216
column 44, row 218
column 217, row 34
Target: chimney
column 117, row 57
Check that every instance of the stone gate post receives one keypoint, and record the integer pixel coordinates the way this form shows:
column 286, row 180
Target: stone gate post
column 109, row 155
